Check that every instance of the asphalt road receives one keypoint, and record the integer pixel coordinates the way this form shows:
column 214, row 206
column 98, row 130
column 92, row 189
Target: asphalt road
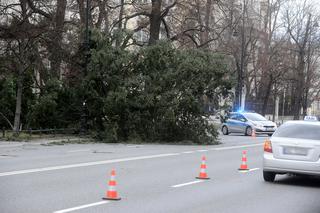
column 150, row 178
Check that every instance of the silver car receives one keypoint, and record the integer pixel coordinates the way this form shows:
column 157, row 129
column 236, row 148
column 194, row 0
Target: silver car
column 245, row 122
column 294, row 148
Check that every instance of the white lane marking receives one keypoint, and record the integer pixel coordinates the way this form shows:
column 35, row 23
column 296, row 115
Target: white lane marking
column 82, row 207
column 202, row 150
column 186, row 184
column 254, row 169
column 79, row 150
column 236, row 147
column 188, row 152
column 250, row 170
column 85, row 164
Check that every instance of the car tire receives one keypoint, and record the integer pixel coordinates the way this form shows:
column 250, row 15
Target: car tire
column 248, row 131
column 270, row 135
column 225, row 130
column 269, row 176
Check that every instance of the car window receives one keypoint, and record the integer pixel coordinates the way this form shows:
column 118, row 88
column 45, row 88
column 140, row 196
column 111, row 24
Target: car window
column 241, row 118
column 301, row 131
column 233, row 116
column 254, row 117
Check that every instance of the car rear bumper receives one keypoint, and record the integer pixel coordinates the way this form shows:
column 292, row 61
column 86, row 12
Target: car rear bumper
column 290, row 166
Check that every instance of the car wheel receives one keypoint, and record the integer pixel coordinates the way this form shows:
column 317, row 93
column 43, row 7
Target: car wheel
column 269, row 176
column 225, row 130
column 248, row 131
column 269, row 135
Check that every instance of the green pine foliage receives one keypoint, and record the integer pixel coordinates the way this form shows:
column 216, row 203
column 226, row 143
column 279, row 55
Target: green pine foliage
column 154, row 94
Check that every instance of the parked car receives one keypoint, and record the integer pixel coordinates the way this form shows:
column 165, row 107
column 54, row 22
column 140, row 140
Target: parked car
column 312, row 118
column 245, row 122
column 293, row 148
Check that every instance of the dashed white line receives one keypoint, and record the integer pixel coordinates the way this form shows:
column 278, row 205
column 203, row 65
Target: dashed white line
column 250, row 170
column 254, row 169
column 82, row 207
column 236, row 147
column 202, row 150
column 188, row 152
column 186, row 184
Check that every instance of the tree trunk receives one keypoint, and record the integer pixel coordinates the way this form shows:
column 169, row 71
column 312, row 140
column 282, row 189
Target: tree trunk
column 207, row 21
column 266, row 96
column 299, row 87
column 155, row 21
column 55, row 46
column 119, row 36
column 17, row 116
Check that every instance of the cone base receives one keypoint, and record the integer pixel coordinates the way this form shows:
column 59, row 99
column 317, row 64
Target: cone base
column 207, row 178
column 107, row 198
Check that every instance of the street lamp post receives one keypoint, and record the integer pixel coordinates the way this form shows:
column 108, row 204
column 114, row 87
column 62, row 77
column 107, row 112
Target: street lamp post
column 242, row 56
column 239, row 88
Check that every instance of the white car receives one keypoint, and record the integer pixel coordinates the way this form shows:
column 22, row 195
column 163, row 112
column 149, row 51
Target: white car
column 294, row 148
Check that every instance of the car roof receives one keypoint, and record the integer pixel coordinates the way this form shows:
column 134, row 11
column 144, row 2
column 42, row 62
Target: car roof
column 303, row 122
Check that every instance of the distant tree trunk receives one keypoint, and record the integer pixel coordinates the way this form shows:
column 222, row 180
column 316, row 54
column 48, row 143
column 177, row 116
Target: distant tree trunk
column 300, row 75
column 297, row 104
column 17, row 116
column 267, row 96
column 307, row 82
column 55, row 45
column 82, row 13
column 155, row 21
column 207, row 21
column 119, row 36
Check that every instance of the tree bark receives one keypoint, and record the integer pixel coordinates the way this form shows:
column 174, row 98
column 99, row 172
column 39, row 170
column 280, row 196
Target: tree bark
column 119, row 36
column 17, row 116
column 55, row 45
column 155, row 21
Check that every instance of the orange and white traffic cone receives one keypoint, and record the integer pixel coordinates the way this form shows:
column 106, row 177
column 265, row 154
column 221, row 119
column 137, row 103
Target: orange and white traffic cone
column 244, row 166
column 203, row 173
column 253, row 133
column 112, row 193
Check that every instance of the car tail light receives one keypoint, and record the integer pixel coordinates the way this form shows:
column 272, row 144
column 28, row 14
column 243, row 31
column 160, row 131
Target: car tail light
column 267, row 146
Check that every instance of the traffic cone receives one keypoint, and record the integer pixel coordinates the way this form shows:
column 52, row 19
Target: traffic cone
column 244, row 166
column 203, row 173
column 112, row 193
column 253, row 134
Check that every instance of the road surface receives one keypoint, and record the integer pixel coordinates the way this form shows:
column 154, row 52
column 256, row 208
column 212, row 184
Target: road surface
column 150, row 178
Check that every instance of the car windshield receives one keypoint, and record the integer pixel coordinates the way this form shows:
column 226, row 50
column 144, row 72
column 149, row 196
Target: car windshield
column 254, row 117
column 300, row 131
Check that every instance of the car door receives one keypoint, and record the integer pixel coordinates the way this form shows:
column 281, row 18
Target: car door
column 242, row 123
column 234, row 123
